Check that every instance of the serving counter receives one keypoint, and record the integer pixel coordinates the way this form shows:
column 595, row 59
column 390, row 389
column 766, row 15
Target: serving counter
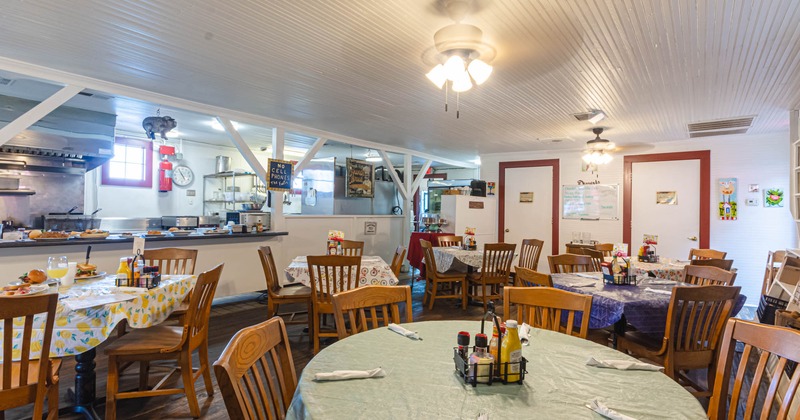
column 242, row 272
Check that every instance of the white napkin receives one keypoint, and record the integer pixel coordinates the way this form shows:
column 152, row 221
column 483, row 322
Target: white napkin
column 622, row 364
column 84, row 302
column 589, row 276
column 402, row 331
column 583, row 284
column 661, row 282
column 127, row 289
column 339, row 375
column 524, row 332
column 601, row 409
column 662, row 292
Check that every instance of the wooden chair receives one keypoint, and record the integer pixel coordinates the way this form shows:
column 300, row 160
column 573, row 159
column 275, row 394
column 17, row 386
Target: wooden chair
column 543, row 307
column 330, row 274
column 606, row 249
column 397, row 260
column 277, row 295
column 173, row 261
column 597, row 258
column 163, row 342
column 495, row 272
column 575, row 249
column 528, row 278
column 695, row 320
column 370, row 307
column 704, row 254
column 529, row 253
column 780, row 346
column 353, row 248
column 569, row 263
column 774, row 261
column 708, row 276
column 726, row 265
column 26, row 381
column 453, row 280
column 449, row 240
column 255, row 372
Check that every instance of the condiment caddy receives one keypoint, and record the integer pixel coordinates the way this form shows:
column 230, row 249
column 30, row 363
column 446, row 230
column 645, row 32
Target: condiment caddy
column 133, row 273
column 482, row 366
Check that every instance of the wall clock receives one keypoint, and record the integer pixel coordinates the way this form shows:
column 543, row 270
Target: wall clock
column 182, row 176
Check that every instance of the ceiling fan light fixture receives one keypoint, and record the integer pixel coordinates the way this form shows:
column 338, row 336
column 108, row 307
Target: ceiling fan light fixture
column 437, row 76
column 479, row 71
column 454, row 67
column 462, row 82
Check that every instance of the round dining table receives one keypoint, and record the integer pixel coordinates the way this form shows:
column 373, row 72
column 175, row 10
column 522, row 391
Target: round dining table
column 421, row 381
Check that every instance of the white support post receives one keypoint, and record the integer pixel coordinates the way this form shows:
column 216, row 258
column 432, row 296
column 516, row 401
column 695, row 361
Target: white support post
column 37, row 112
column 393, row 173
column 310, row 154
column 240, row 144
column 408, row 203
column 278, row 134
column 420, row 176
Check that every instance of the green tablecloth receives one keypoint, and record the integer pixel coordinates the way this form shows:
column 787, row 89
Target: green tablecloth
column 421, row 383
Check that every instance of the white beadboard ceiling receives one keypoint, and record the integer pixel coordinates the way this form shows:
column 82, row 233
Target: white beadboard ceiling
column 354, row 67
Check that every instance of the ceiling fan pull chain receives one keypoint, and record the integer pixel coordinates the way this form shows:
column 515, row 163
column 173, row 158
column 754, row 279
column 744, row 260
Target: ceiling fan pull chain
column 458, row 105
column 446, row 91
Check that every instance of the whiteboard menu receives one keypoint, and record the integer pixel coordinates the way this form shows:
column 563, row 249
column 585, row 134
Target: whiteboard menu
column 592, row 202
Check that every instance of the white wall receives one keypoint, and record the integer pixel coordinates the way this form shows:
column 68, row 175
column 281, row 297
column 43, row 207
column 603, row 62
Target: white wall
column 755, row 159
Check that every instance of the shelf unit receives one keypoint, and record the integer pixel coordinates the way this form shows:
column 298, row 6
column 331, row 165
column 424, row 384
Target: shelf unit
column 235, row 185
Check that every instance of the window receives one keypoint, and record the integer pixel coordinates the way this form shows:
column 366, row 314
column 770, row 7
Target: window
column 132, row 164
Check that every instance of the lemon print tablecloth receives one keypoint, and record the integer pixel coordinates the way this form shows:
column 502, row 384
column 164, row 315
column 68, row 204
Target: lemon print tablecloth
column 77, row 331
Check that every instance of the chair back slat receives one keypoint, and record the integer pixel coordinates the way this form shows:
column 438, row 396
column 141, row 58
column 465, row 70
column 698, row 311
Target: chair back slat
column 256, row 372
column 171, row 260
column 529, row 253
column 352, row 248
column 331, row 274
column 606, row 249
column 196, row 320
column 397, row 259
column 708, row 276
column 704, row 254
column 25, row 307
column 544, row 307
column 370, row 307
column 597, row 257
column 270, row 269
column 497, row 259
column 430, row 259
column 766, row 351
column 449, row 240
column 569, row 263
column 528, row 278
column 726, row 265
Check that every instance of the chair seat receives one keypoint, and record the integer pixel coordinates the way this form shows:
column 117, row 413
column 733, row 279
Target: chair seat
column 298, row 291
column 641, row 344
column 33, row 372
column 147, row 341
column 450, row 275
column 182, row 309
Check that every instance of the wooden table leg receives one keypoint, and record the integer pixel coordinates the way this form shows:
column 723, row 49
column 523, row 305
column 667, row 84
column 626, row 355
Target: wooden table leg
column 84, row 393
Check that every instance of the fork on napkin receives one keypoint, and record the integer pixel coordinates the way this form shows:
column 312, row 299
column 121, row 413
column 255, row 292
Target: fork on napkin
column 340, row 375
column 603, row 410
column 402, row 331
column 622, row 364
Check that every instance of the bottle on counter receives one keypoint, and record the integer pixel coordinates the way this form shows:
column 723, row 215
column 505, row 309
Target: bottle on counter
column 481, row 360
column 123, row 273
column 511, row 353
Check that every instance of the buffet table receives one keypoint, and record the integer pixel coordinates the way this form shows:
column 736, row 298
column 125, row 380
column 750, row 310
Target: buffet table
column 421, row 382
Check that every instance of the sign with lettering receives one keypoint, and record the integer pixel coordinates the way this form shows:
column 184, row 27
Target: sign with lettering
column 280, row 174
column 476, row 204
column 360, row 179
column 590, row 202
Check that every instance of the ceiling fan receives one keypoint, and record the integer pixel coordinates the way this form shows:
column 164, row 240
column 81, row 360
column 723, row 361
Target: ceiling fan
column 598, row 151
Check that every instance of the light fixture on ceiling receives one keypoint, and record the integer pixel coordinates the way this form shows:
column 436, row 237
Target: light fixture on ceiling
column 217, row 126
column 459, row 56
column 372, row 156
column 598, row 151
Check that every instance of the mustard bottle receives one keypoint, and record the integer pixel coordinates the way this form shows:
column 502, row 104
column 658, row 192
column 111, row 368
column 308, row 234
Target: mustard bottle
column 123, row 277
column 511, row 353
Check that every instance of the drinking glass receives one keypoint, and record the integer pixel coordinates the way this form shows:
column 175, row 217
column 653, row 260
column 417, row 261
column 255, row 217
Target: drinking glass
column 57, row 267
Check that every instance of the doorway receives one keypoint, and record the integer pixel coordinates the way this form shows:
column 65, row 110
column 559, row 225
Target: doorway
column 668, row 194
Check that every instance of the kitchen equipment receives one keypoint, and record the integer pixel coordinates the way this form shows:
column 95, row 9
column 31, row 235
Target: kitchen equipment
column 223, row 164
column 69, row 222
column 208, row 221
column 184, row 222
column 254, row 218
column 431, row 222
column 478, row 188
column 232, row 216
column 8, row 183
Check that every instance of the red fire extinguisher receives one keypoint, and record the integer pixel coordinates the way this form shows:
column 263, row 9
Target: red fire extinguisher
column 165, row 175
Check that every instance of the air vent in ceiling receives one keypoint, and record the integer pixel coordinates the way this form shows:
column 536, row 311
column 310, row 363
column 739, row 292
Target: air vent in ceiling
column 5, row 82
column 555, row 140
column 94, row 95
column 738, row 125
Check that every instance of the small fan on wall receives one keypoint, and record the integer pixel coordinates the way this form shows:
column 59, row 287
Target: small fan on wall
column 598, row 151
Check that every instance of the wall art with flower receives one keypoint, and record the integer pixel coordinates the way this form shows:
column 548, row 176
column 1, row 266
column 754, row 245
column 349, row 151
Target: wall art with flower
column 773, row 197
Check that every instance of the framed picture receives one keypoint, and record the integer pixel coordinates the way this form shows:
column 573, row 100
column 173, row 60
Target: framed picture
column 667, row 197
column 360, row 179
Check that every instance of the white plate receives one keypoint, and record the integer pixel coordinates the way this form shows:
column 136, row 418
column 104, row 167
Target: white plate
column 99, row 274
column 181, row 233
column 92, row 235
column 36, row 288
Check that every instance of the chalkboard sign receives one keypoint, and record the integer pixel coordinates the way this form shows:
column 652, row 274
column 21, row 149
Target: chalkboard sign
column 590, row 202
column 280, row 174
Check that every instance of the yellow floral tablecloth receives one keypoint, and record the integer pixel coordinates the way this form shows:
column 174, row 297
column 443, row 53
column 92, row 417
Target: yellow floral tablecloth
column 77, row 331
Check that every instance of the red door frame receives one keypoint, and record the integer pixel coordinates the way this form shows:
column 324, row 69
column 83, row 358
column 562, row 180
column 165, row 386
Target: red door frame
column 704, row 156
column 501, row 192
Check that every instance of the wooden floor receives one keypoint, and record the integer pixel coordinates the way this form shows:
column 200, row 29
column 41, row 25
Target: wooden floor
column 226, row 320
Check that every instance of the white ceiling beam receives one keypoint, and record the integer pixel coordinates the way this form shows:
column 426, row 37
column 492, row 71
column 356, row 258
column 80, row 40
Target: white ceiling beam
column 59, row 76
column 38, row 112
column 420, row 176
column 310, row 154
column 393, row 173
column 244, row 149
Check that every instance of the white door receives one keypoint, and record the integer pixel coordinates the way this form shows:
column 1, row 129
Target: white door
column 530, row 220
column 677, row 225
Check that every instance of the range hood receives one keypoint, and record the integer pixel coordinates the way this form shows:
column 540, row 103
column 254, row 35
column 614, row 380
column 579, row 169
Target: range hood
column 69, row 140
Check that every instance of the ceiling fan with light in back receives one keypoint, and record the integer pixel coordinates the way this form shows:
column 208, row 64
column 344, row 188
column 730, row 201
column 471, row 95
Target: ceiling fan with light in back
column 598, row 151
